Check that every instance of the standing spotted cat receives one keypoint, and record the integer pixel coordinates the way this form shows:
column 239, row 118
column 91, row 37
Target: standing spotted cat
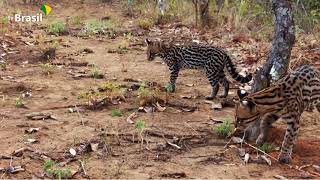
column 286, row 99
column 213, row 60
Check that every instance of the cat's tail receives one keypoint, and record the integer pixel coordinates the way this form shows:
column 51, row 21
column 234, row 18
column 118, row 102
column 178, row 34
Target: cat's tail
column 234, row 74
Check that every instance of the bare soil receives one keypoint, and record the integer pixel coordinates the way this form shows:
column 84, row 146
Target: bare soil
column 196, row 151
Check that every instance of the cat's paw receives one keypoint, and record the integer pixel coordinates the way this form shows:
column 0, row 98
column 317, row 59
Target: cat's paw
column 284, row 158
column 260, row 140
column 209, row 97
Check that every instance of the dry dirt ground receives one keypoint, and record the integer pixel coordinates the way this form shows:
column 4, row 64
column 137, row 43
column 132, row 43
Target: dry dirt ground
column 196, row 151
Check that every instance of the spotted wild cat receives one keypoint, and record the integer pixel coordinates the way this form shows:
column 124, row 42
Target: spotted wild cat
column 286, row 99
column 213, row 60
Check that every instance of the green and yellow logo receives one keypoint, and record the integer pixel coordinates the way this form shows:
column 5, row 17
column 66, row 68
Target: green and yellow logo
column 46, row 9
column 31, row 18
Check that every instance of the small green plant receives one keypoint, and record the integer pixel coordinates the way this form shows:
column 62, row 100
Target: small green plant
column 49, row 168
column 124, row 45
column 19, row 103
column 4, row 20
column 224, row 129
column 47, row 68
column 92, row 98
column 116, row 113
column 3, row 66
column 75, row 21
column 111, row 90
column 148, row 96
column 56, row 28
column 96, row 73
column 99, row 27
column 266, row 147
column 145, row 23
column 140, row 125
column 169, row 88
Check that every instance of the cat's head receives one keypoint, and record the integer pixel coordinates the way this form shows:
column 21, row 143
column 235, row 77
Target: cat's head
column 154, row 48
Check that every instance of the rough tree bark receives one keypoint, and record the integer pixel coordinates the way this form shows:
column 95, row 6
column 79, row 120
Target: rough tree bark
column 220, row 4
column 162, row 6
column 279, row 57
column 195, row 3
column 204, row 12
column 130, row 7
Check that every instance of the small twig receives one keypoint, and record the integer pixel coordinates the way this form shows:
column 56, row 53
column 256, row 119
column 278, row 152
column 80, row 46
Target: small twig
column 304, row 166
column 262, row 152
column 75, row 106
column 82, row 166
column 193, row 129
column 174, row 145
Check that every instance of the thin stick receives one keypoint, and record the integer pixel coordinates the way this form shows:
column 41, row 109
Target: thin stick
column 79, row 115
column 291, row 167
column 261, row 151
column 82, row 166
column 193, row 129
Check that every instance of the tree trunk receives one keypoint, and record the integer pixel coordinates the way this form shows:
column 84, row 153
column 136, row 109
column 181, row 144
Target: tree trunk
column 220, row 4
column 162, row 7
column 130, row 7
column 284, row 36
column 195, row 3
column 204, row 12
column 279, row 57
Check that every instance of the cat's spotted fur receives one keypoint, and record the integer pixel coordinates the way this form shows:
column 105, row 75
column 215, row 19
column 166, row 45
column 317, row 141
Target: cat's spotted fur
column 213, row 60
column 286, row 99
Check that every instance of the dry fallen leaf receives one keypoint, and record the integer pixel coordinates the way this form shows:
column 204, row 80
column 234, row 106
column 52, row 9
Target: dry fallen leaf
column 246, row 158
column 316, row 167
column 94, row 146
column 190, row 85
column 186, row 96
column 131, row 117
column 236, row 140
column 31, row 130
column 279, row 177
column 267, row 160
column 216, row 106
column 29, row 141
column 159, row 108
column 242, row 152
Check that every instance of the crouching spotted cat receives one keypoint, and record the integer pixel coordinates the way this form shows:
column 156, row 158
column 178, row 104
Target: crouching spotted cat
column 212, row 59
column 286, row 99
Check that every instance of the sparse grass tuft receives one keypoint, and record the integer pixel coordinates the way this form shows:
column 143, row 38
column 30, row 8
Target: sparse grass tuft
column 19, row 103
column 56, row 28
column 224, row 129
column 140, row 125
column 169, row 88
column 266, row 147
column 147, row 96
column 47, row 69
column 145, row 23
column 4, row 20
column 124, row 45
column 3, row 66
column 51, row 170
column 92, row 98
column 116, row 113
column 96, row 73
column 99, row 27
column 75, row 21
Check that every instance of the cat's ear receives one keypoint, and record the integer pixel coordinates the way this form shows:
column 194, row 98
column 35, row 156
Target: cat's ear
column 249, row 105
column 242, row 93
column 148, row 41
